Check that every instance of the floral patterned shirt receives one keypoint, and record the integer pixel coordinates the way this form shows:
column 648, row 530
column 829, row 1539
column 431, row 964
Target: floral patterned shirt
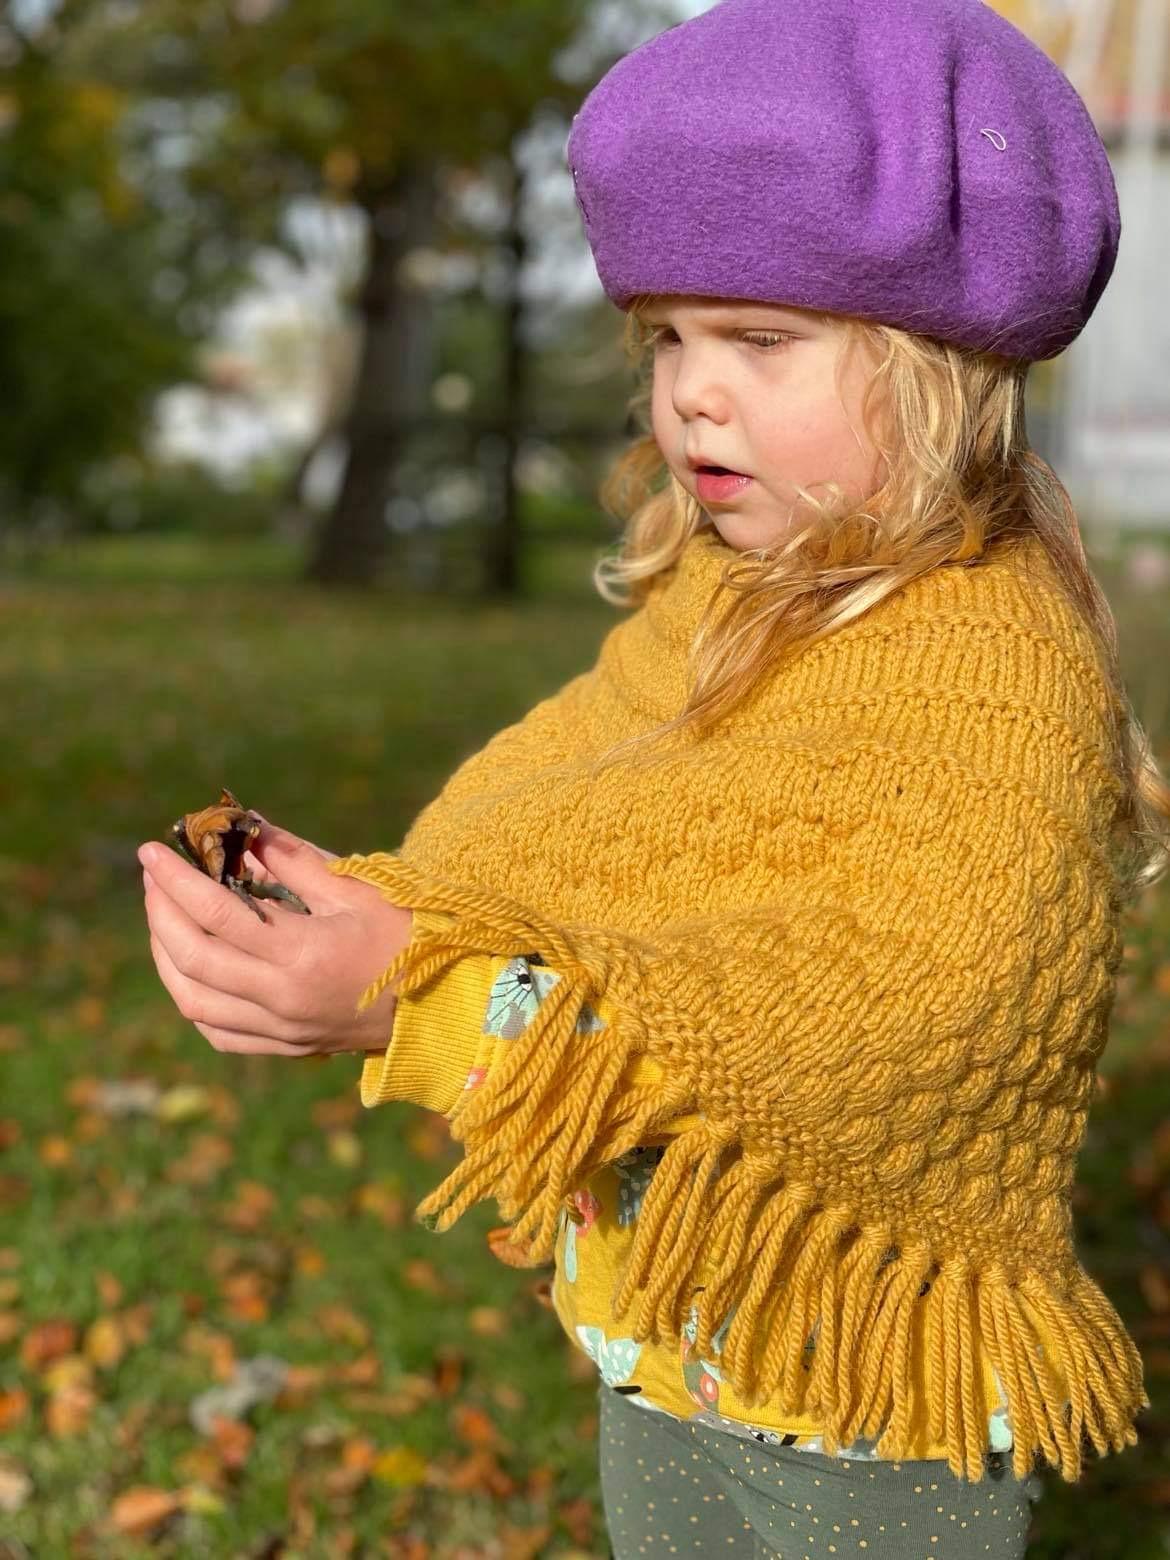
column 446, row 1039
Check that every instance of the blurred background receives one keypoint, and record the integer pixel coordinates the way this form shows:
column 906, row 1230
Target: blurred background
column 308, row 387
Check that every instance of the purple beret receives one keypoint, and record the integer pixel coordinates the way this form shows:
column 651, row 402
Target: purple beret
column 917, row 162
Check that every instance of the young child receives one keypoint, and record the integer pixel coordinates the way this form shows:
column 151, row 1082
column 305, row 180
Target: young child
column 763, row 969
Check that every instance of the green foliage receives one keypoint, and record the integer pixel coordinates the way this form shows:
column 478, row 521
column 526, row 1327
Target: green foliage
column 85, row 338
column 340, row 95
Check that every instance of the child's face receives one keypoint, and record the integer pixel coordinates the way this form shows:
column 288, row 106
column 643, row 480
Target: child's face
column 752, row 386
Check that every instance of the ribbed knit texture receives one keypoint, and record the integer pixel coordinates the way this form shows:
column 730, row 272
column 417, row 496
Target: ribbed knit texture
column 869, row 929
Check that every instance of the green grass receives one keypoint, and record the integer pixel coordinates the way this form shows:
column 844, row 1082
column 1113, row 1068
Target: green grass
column 135, row 683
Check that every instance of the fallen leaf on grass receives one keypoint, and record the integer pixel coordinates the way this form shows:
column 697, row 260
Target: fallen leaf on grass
column 505, row 1249
column 577, row 1517
column 15, row 1486
column 343, row 1325
column 399, row 1466
column 419, row 1273
column 207, row 1155
column 183, row 1102
column 47, row 1341
column 138, row 1511
column 14, row 1406
column 68, row 1412
column 232, row 1441
column 71, row 1370
column 488, row 1321
column 345, row 1149
column 523, row 1543
column 215, row 1347
column 383, row 1201
column 363, row 1371
column 309, row 1260
column 450, row 1363
column 250, row 1207
column 105, row 1342
column 478, row 1472
column 429, row 1137
column 475, row 1427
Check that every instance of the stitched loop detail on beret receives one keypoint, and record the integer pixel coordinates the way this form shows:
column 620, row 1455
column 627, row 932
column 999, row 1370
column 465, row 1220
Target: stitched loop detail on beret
column 824, row 155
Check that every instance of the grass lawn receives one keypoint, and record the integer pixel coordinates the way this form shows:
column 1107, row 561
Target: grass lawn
column 169, row 1216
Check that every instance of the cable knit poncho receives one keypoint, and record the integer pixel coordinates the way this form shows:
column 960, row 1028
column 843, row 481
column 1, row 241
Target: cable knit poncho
column 868, row 928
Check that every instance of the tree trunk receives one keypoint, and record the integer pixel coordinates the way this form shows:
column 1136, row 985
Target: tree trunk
column 392, row 381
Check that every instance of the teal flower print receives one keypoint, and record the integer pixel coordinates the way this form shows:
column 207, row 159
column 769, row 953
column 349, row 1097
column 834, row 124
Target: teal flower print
column 999, row 1425
column 516, row 993
column 634, row 1170
column 701, row 1378
column 615, row 1358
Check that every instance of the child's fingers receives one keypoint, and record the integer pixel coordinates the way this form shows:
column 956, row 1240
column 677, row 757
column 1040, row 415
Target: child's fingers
column 213, row 907
column 211, row 961
column 231, row 1023
column 276, row 845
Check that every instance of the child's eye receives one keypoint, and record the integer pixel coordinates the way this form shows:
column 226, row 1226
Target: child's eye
column 767, row 338
column 764, row 339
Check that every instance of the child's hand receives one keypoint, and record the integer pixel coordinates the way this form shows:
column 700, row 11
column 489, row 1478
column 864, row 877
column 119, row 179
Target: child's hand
column 287, row 986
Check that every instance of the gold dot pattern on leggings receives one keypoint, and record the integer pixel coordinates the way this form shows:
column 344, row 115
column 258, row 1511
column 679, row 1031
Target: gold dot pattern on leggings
column 709, row 1493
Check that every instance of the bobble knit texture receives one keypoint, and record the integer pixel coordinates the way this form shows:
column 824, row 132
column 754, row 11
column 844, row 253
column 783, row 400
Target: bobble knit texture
column 869, row 929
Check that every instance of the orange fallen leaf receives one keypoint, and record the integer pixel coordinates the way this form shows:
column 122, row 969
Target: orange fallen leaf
column 361, row 1371
column 250, row 1208
column 343, row 1325
column 14, row 1405
column 68, row 1412
column 505, row 1249
column 419, row 1273
column 309, row 1260
column 138, row 1511
column 449, row 1366
column 523, row 1543
column 474, row 1426
column 487, row 1321
column 70, row 1370
column 232, row 1439
column 47, row 1341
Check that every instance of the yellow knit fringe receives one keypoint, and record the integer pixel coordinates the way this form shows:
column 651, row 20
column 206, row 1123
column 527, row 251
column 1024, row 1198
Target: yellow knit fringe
column 552, row 1112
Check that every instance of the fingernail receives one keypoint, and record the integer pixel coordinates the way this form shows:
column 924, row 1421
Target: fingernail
column 148, row 855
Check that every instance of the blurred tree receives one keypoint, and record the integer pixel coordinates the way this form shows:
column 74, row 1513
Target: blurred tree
column 362, row 102
column 86, row 338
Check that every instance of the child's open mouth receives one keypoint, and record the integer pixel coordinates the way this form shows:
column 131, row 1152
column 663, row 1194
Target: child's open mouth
column 717, row 484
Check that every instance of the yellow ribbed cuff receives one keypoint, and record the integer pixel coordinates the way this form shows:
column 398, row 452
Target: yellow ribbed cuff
column 436, row 1033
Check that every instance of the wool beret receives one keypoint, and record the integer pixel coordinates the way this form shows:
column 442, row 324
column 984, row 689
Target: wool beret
column 916, row 162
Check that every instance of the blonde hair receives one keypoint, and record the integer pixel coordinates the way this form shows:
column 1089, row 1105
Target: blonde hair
column 949, row 424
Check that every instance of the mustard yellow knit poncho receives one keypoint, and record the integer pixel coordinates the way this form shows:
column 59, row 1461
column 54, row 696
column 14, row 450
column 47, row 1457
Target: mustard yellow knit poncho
column 867, row 929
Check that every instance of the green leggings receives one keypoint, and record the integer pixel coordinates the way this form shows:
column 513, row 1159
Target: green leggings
column 676, row 1487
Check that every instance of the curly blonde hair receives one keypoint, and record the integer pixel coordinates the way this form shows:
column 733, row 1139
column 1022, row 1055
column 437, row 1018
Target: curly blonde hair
column 949, row 424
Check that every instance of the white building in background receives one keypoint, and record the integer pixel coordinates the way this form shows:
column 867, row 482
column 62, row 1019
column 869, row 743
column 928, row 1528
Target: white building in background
column 1107, row 424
